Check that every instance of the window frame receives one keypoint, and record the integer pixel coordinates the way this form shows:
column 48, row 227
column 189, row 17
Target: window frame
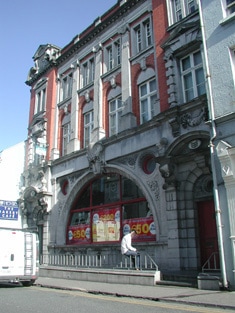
column 143, row 35
column 115, row 115
column 87, row 72
column 88, row 127
column 66, row 134
column 192, row 70
column 182, row 6
column 230, row 7
column 113, row 55
column 66, row 86
column 147, row 97
column 40, row 102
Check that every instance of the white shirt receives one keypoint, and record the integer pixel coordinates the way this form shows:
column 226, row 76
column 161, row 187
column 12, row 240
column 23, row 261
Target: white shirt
column 126, row 244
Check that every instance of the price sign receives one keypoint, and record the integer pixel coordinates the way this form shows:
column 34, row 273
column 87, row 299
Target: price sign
column 144, row 227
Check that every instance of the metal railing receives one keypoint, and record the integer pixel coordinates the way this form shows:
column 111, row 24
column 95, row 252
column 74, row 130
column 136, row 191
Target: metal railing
column 212, row 264
column 97, row 261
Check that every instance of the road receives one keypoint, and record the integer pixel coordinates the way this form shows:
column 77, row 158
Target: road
column 37, row 300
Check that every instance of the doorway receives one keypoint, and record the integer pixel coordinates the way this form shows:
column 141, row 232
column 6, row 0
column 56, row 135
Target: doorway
column 208, row 239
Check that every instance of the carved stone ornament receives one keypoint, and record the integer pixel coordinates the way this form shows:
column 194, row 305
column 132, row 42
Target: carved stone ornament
column 188, row 120
column 94, row 156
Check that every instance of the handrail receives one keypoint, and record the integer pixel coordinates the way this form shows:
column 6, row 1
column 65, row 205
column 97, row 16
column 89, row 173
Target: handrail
column 95, row 261
column 212, row 260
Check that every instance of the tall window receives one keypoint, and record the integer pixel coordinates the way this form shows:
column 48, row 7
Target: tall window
column 88, row 127
column 178, row 9
column 230, row 6
column 115, row 111
column 113, row 55
column 148, row 97
column 66, row 87
column 193, row 78
column 40, row 101
column 88, row 72
column 143, row 36
column 66, row 132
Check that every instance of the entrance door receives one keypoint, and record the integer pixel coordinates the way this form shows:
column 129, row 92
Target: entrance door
column 207, row 232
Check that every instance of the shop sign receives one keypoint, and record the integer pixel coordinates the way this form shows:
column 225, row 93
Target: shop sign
column 8, row 212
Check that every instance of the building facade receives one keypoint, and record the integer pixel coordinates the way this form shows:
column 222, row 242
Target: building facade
column 118, row 138
column 217, row 19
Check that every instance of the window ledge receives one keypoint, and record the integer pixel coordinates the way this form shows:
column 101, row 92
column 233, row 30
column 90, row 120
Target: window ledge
column 228, row 19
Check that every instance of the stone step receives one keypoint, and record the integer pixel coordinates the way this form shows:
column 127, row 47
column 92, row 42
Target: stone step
column 147, row 278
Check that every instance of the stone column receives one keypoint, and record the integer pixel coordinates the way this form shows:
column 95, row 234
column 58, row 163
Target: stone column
column 74, row 143
column 98, row 131
column 128, row 120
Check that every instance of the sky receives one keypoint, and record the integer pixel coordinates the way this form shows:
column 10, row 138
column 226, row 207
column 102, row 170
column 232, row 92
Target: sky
column 24, row 26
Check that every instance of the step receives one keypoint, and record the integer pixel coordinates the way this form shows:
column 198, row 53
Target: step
column 145, row 278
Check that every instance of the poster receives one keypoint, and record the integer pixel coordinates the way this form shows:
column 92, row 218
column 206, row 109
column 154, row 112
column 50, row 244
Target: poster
column 106, row 225
column 79, row 234
column 144, row 226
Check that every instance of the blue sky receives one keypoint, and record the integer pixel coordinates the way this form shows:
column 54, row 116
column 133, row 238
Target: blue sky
column 24, row 25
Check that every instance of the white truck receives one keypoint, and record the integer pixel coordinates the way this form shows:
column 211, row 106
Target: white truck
column 18, row 256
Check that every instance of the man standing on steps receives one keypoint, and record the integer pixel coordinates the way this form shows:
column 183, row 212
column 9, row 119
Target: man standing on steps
column 128, row 250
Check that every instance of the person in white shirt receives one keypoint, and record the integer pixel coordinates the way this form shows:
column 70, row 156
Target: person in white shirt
column 128, row 250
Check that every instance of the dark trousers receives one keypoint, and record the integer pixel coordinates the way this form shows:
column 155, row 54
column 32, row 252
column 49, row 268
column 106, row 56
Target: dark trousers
column 135, row 258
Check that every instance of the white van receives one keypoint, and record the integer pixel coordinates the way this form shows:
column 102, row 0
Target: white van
column 19, row 256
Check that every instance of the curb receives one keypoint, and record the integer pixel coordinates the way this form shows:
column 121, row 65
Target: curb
column 120, row 295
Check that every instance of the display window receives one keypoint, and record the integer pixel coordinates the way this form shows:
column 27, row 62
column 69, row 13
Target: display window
column 107, row 209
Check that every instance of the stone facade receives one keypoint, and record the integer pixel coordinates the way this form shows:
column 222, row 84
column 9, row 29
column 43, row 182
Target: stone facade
column 175, row 135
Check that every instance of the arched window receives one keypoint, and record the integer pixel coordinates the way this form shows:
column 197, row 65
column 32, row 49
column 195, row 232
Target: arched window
column 106, row 209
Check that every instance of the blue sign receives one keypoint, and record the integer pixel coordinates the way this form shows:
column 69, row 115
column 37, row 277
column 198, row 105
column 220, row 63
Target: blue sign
column 9, row 210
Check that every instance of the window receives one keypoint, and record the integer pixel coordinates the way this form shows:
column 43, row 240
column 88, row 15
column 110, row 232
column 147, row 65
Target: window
column 106, row 207
column 113, row 55
column 148, row 98
column 178, row 9
column 192, row 76
column 66, row 131
column 40, row 101
column 88, row 72
column 115, row 112
column 88, row 127
column 143, row 36
column 66, row 87
column 230, row 6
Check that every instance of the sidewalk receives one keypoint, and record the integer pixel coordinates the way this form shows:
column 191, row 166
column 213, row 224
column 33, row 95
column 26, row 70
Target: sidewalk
column 220, row 299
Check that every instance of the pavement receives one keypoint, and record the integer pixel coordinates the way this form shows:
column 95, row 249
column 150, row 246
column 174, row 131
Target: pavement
column 186, row 295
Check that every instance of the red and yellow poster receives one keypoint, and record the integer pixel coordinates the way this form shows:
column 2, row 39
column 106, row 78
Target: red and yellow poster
column 106, row 225
column 79, row 234
column 144, row 226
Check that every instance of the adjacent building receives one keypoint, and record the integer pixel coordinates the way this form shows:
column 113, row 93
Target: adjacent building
column 119, row 138
column 218, row 30
column 11, row 168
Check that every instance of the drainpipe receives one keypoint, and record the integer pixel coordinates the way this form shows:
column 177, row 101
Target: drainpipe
column 212, row 150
